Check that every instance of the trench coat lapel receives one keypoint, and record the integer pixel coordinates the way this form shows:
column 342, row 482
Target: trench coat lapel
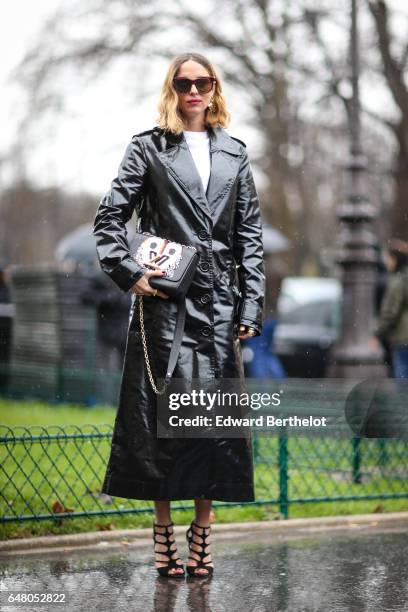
column 180, row 164
column 225, row 160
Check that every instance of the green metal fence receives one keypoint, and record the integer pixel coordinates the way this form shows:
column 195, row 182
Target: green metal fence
column 54, row 472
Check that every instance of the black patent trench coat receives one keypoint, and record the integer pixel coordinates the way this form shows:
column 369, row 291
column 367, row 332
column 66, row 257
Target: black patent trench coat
column 158, row 178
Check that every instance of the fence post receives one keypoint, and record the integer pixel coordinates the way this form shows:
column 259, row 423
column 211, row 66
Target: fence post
column 93, row 373
column 383, row 452
column 283, row 475
column 255, row 447
column 356, row 460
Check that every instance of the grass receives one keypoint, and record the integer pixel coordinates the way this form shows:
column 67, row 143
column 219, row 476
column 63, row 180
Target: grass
column 70, row 471
column 29, row 413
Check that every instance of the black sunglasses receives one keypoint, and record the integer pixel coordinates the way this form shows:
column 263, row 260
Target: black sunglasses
column 203, row 84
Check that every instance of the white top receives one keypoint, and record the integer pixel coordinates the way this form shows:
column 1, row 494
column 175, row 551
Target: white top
column 199, row 145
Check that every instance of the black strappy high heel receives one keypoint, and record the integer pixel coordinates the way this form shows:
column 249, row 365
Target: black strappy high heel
column 169, row 553
column 202, row 554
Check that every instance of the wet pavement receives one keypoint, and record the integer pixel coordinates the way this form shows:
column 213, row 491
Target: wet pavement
column 327, row 572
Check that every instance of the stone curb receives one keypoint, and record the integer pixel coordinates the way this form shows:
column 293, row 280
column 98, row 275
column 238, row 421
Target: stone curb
column 125, row 537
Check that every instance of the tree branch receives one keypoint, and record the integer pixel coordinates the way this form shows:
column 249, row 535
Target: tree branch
column 392, row 70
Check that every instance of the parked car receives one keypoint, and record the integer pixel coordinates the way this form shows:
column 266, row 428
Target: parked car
column 309, row 311
column 296, row 291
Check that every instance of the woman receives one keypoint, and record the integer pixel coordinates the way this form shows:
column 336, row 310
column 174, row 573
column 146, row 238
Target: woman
column 189, row 181
column 392, row 324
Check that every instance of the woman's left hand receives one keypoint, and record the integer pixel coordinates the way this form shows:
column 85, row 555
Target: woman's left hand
column 245, row 332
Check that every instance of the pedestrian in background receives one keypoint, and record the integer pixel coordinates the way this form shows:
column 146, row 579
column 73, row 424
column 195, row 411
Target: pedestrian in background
column 392, row 323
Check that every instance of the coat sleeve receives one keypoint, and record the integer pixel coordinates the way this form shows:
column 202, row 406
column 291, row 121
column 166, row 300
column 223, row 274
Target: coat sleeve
column 115, row 210
column 248, row 249
column 391, row 308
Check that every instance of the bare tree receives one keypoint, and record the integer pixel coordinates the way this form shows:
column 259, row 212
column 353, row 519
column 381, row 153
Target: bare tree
column 391, row 62
column 394, row 67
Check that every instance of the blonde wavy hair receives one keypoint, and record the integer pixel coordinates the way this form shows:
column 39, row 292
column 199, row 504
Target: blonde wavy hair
column 169, row 116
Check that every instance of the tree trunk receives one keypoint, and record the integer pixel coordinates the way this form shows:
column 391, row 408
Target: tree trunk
column 399, row 215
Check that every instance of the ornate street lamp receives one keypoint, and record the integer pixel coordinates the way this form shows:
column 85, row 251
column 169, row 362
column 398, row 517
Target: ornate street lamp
column 353, row 356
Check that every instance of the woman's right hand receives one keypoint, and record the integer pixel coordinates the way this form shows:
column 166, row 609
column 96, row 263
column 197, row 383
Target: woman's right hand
column 143, row 287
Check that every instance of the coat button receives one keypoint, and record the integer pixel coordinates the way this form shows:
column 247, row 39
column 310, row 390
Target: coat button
column 205, row 298
column 204, row 266
column 206, row 330
column 203, row 235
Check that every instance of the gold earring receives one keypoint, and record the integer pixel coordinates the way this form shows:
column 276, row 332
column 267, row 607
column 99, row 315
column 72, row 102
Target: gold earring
column 211, row 105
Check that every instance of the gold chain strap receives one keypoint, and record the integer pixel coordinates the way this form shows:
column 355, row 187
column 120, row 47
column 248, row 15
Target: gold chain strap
column 146, row 355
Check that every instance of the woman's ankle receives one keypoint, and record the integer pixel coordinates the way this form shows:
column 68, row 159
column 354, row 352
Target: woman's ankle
column 163, row 521
column 205, row 524
column 162, row 513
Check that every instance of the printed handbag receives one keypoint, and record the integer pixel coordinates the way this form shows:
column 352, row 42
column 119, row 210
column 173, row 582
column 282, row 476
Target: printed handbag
column 179, row 262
